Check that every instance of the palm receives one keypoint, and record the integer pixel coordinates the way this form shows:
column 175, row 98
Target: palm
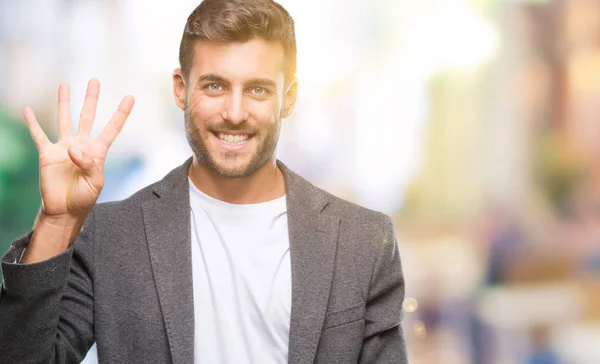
column 65, row 190
column 70, row 185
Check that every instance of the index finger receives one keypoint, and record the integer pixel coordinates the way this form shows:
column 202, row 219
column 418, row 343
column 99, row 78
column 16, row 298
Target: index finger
column 115, row 125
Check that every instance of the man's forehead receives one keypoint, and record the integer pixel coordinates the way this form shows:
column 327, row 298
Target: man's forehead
column 254, row 56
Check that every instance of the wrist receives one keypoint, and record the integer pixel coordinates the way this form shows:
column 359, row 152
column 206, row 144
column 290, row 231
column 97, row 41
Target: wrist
column 51, row 236
column 64, row 222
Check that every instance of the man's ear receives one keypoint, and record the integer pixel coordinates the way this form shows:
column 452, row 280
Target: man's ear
column 179, row 88
column 289, row 99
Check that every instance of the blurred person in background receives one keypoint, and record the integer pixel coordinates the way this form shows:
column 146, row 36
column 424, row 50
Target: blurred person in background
column 231, row 258
column 542, row 352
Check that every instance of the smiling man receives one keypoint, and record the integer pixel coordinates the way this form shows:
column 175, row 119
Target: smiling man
column 231, row 258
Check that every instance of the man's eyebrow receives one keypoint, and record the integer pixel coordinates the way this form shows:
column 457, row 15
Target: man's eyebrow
column 264, row 82
column 210, row 77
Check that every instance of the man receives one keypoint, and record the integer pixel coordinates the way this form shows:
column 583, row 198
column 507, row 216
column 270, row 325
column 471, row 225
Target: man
column 231, row 258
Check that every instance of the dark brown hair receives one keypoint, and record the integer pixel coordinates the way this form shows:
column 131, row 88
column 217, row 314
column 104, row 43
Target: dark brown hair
column 239, row 21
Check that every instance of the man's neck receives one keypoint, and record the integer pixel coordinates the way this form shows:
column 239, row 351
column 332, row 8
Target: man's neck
column 264, row 184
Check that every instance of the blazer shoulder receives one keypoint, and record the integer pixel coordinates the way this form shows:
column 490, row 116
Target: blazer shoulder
column 352, row 211
column 175, row 179
column 133, row 201
column 309, row 195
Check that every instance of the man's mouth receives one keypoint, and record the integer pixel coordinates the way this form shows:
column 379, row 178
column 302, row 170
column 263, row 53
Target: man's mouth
column 233, row 139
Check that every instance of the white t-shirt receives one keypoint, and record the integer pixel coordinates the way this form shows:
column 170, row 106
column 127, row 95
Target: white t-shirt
column 242, row 280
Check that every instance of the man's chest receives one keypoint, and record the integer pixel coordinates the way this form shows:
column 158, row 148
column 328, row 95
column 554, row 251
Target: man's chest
column 242, row 289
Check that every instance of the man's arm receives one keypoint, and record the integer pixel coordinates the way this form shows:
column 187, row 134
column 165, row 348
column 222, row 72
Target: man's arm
column 46, row 304
column 384, row 340
column 46, row 308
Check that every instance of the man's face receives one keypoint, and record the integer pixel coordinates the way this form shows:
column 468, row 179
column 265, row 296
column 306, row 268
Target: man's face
column 234, row 100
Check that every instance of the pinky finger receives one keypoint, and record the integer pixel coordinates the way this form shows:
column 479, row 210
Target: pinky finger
column 38, row 135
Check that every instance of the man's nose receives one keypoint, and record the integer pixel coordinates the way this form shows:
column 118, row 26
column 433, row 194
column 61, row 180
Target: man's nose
column 234, row 110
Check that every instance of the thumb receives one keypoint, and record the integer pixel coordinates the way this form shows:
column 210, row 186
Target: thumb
column 83, row 160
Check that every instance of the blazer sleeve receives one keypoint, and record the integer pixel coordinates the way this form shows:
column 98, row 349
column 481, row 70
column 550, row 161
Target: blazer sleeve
column 46, row 308
column 384, row 340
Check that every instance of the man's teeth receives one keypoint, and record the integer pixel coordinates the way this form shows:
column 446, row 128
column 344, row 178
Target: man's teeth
column 233, row 139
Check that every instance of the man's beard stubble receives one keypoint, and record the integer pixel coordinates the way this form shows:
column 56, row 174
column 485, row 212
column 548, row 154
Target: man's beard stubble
column 267, row 138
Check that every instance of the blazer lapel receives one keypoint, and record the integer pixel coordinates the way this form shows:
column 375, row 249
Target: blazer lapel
column 313, row 241
column 167, row 225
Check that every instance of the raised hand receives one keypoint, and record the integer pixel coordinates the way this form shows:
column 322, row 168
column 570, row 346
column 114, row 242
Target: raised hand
column 72, row 169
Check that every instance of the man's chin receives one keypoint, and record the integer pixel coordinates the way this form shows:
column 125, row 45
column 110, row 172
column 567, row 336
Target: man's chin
column 231, row 164
column 232, row 169
column 231, row 173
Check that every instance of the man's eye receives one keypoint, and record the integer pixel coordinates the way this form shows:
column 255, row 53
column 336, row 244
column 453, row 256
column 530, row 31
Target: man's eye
column 259, row 91
column 213, row 87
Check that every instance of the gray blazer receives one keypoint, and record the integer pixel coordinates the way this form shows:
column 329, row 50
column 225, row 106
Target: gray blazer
column 126, row 284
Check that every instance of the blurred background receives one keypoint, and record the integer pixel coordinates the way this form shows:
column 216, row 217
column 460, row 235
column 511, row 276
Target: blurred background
column 474, row 124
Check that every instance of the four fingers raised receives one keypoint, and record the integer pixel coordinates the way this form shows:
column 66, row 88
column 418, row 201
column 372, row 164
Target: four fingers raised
column 88, row 114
